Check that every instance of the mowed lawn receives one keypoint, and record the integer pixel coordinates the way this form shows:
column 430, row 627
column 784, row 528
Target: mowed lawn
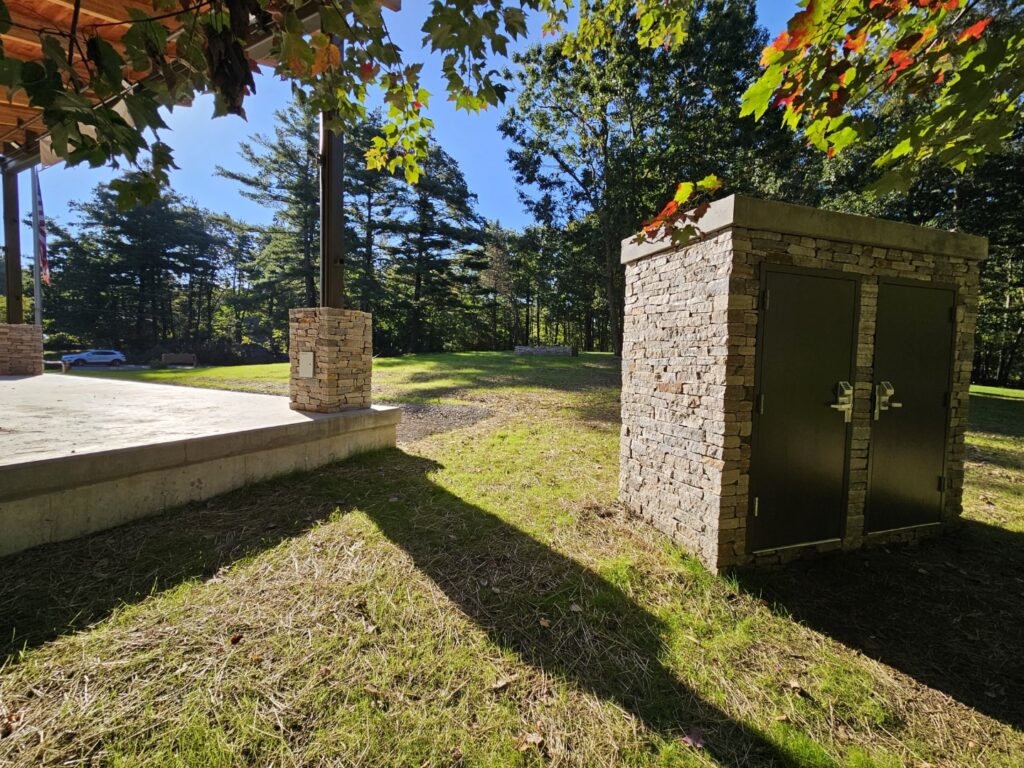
column 476, row 598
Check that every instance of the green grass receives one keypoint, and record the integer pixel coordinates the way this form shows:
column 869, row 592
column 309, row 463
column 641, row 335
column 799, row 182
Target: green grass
column 448, row 377
column 476, row 598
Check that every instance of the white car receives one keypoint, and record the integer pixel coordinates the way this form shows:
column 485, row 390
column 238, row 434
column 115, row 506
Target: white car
column 96, row 357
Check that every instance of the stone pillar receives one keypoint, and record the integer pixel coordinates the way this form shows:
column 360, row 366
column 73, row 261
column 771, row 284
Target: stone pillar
column 21, row 350
column 331, row 352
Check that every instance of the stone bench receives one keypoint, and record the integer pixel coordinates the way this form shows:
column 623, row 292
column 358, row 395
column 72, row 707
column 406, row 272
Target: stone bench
column 178, row 358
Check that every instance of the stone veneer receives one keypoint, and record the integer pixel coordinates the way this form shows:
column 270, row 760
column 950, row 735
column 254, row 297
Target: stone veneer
column 689, row 359
column 21, row 350
column 340, row 341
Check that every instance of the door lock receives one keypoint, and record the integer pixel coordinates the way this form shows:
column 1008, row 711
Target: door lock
column 844, row 400
column 884, row 393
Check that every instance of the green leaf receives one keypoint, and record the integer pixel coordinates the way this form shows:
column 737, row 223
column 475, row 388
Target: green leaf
column 758, row 97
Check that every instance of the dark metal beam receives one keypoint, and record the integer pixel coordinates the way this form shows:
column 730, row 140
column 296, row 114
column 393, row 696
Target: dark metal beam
column 12, row 248
column 332, row 217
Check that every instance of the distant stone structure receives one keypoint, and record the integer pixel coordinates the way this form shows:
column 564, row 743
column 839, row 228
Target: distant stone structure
column 705, row 460
column 21, row 350
column 178, row 358
column 331, row 356
column 557, row 351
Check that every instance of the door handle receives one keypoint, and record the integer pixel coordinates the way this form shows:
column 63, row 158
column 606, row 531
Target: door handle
column 884, row 393
column 844, row 400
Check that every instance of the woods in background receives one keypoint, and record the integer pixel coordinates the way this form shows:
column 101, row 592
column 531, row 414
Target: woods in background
column 596, row 148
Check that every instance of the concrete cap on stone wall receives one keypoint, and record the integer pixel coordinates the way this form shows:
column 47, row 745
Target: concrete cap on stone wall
column 786, row 218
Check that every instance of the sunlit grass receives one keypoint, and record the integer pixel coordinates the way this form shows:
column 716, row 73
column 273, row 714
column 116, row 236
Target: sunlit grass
column 476, row 599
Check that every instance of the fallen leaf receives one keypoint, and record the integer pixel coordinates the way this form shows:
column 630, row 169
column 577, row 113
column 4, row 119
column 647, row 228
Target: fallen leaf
column 575, row 608
column 503, row 683
column 236, row 638
column 694, row 738
column 530, row 740
column 545, row 623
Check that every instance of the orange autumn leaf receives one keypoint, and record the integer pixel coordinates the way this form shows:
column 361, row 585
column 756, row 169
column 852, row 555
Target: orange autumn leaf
column 855, row 41
column 325, row 58
column 974, row 31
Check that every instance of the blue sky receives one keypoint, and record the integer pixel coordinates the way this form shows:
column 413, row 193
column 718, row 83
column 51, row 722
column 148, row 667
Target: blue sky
column 201, row 143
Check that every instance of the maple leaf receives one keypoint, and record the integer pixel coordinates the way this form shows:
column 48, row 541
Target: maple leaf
column 974, row 31
column 326, row 57
column 367, row 71
column 855, row 41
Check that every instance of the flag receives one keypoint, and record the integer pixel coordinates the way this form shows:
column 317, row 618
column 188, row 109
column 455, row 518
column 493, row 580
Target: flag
column 40, row 234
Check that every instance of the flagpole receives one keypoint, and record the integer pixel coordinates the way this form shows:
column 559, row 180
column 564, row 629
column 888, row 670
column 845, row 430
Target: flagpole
column 36, row 240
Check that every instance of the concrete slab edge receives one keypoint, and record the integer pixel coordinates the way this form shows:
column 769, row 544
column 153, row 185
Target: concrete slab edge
column 31, row 478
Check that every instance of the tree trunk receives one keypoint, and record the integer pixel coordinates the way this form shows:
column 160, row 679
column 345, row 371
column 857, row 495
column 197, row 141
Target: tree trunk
column 611, row 258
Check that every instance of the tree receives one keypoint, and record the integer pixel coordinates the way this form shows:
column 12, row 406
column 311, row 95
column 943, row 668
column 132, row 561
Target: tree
column 601, row 140
column 151, row 272
column 434, row 258
column 568, row 127
column 833, row 57
column 283, row 177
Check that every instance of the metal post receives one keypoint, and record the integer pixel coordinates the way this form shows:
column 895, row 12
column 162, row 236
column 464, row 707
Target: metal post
column 12, row 247
column 332, row 216
column 37, row 272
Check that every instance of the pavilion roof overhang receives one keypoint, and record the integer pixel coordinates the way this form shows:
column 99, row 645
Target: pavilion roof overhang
column 21, row 124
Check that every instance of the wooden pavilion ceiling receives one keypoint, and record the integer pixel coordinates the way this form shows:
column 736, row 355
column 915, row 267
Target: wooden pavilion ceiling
column 20, row 124
column 30, row 20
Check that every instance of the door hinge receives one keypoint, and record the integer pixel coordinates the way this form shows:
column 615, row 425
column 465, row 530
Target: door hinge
column 942, row 483
column 757, row 505
column 765, row 299
column 760, row 404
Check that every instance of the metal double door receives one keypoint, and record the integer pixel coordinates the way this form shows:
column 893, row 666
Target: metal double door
column 803, row 407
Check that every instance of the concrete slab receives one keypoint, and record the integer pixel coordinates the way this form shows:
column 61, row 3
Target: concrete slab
column 79, row 454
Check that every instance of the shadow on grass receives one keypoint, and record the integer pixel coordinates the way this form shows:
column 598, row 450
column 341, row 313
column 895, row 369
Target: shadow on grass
column 61, row 588
column 949, row 612
column 556, row 614
column 546, row 607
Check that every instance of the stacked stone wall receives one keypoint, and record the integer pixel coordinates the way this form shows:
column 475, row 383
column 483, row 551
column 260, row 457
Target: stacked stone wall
column 21, row 350
column 676, row 439
column 340, row 341
column 689, row 366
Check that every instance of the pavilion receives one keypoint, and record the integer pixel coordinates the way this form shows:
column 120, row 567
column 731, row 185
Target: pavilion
column 153, row 448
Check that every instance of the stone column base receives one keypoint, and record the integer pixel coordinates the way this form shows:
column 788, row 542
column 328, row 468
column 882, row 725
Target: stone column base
column 21, row 350
column 331, row 355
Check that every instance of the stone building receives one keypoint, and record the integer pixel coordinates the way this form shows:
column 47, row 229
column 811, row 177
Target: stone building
column 796, row 380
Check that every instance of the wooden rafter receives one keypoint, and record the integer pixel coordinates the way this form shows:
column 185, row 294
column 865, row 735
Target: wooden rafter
column 32, row 19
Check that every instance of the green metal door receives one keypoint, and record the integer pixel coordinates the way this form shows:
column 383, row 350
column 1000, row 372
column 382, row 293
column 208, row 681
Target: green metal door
column 802, row 410
column 913, row 366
